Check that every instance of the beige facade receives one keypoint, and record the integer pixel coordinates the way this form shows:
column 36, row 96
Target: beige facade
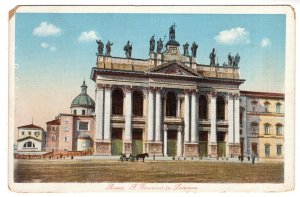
column 264, row 123
column 31, row 138
column 189, row 109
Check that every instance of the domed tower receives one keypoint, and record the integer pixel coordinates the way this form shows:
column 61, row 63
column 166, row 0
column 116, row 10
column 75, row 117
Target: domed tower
column 83, row 104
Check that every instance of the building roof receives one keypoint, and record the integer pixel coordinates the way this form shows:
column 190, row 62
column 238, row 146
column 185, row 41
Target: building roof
column 54, row 122
column 30, row 126
column 83, row 99
column 266, row 95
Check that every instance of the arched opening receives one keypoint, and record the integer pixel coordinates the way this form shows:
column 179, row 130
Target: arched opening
column 137, row 103
column 202, row 107
column 220, row 108
column 171, row 104
column 117, row 102
column 29, row 145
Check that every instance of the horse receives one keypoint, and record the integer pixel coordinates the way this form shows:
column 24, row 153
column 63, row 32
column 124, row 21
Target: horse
column 142, row 156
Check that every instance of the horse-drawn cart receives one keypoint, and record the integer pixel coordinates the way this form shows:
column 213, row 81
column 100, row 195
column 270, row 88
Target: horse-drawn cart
column 132, row 158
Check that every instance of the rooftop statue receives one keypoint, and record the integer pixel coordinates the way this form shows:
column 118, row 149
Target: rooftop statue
column 108, row 48
column 100, row 47
column 230, row 60
column 128, row 49
column 172, row 32
column 152, row 44
column 236, row 60
column 186, row 49
column 212, row 57
column 194, row 49
column 160, row 46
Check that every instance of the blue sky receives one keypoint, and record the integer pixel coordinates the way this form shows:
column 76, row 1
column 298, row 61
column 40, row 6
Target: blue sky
column 52, row 60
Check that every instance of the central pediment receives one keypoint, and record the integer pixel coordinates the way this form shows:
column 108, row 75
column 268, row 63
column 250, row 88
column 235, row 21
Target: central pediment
column 174, row 68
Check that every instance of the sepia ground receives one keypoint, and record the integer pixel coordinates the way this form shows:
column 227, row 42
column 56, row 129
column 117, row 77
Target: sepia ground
column 150, row 171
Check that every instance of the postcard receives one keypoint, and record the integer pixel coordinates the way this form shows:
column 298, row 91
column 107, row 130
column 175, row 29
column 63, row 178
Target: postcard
column 151, row 98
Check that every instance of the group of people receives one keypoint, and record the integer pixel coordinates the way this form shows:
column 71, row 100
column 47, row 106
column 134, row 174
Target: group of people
column 253, row 156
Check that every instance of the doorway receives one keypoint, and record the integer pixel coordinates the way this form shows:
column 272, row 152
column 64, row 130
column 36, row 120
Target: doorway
column 171, row 143
column 137, row 141
column 116, row 141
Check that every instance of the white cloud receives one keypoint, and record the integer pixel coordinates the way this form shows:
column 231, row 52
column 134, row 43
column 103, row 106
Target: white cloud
column 44, row 45
column 46, row 29
column 87, row 36
column 53, row 48
column 265, row 42
column 50, row 47
column 233, row 36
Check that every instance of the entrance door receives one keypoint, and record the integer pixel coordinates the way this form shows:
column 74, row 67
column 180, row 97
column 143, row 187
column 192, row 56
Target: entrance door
column 171, row 143
column 116, row 141
column 137, row 141
column 203, row 139
column 254, row 148
column 221, row 148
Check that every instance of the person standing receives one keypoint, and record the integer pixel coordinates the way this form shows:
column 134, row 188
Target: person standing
column 253, row 157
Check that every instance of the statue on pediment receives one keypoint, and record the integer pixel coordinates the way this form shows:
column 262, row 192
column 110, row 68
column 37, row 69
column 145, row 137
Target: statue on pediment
column 236, row 60
column 172, row 32
column 212, row 57
column 100, row 47
column 186, row 49
column 230, row 60
column 152, row 44
column 108, row 48
column 160, row 46
column 194, row 49
column 128, row 49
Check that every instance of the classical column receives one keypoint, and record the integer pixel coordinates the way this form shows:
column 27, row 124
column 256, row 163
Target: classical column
column 213, row 118
column 165, row 140
column 186, row 117
column 179, row 141
column 128, row 111
column 99, row 112
column 150, row 114
column 178, row 106
column 107, row 114
column 236, row 119
column 194, row 119
column 158, row 116
column 230, row 119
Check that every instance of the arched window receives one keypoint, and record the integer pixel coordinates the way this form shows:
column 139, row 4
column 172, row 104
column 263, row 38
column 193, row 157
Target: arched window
column 75, row 112
column 202, row 107
column 137, row 103
column 220, row 108
column 117, row 102
column 279, row 129
column 267, row 129
column 29, row 145
column 171, row 104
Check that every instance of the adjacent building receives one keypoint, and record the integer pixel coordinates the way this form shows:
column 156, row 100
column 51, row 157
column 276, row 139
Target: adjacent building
column 263, row 123
column 31, row 138
column 74, row 131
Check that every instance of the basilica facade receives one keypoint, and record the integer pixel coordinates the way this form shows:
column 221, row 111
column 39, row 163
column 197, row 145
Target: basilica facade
column 168, row 104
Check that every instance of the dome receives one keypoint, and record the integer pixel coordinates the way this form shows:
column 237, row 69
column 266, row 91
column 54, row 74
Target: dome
column 83, row 99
